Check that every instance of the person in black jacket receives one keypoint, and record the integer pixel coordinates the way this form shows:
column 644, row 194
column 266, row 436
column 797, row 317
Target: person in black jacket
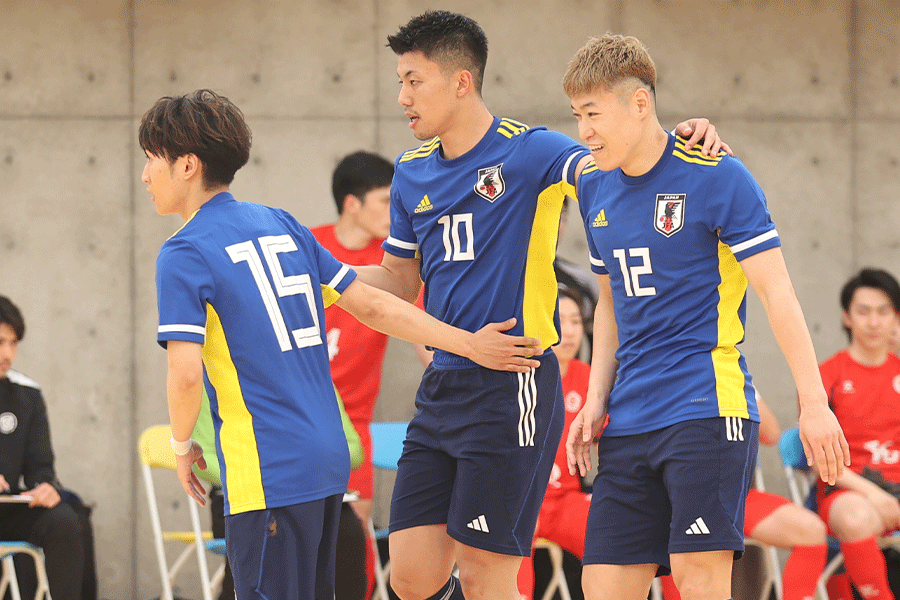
column 26, row 467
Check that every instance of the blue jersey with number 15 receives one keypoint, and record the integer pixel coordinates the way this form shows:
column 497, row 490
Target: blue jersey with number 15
column 246, row 282
column 671, row 241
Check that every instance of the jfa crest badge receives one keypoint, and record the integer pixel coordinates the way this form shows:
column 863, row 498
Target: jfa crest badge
column 669, row 213
column 490, row 184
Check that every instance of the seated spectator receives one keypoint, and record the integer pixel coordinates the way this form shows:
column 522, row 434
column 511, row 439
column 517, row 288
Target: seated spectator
column 564, row 512
column 863, row 386
column 26, row 467
column 776, row 521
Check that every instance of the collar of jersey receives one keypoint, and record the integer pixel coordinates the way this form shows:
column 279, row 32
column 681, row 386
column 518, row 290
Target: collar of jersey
column 219, row 198
column 482, row 144
column 659, row 166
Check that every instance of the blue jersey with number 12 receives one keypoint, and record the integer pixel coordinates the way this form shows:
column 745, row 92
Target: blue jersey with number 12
column 671, row 241
column 246, row 282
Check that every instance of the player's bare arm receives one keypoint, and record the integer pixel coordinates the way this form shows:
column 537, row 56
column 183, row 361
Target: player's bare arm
column 399, row 276
column 184, row 390
column 821, row 434
column 592, row 416
column 488, row 346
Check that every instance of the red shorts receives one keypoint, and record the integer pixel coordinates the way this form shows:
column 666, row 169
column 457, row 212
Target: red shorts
column 563, row 519
column 759, row 506
column 362, row 478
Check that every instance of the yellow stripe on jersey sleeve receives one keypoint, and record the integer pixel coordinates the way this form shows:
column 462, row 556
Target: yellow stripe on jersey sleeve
column 236, row 436
column 422, row 151
column 725, row 357
column 329, row 295
column 693, row 159
column 539, row 302
column 590, row 167
column 509, row 128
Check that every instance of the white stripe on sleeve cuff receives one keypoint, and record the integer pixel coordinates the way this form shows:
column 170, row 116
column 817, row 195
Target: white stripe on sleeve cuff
column 339, row 277
column 180, row 328
column 402, row 245
column 754, row 241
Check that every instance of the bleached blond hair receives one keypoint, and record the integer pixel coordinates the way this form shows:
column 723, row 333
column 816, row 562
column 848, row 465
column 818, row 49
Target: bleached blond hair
column 605, row 62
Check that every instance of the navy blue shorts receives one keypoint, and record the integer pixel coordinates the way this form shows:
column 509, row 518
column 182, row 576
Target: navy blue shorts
column 478, row 454
column 284, row 553
column 678, row 489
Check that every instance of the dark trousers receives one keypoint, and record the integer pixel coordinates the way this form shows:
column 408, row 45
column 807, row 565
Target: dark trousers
column 58, row 531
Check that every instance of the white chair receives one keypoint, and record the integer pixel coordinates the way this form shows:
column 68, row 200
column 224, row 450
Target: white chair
column 801, row 481
column 8, row 578
column 156, row 452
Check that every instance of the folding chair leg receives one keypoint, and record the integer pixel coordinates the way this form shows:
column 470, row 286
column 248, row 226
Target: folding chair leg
column 9, row 580
column 381, row 573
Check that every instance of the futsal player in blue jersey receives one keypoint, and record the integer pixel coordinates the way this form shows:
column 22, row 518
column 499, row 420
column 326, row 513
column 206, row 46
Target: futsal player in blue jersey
column 240, row 293
column 674, row 237
column 474, row 213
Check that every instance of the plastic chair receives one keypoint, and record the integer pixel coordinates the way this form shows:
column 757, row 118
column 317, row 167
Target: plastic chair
column 387, row 446
column 156, row 452
column 8, row 578
column 558, row 579
column 801, row 482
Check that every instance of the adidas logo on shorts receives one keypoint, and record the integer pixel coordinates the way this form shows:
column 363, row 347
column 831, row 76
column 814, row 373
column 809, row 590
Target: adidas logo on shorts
column 479, row 524
column 698, row 527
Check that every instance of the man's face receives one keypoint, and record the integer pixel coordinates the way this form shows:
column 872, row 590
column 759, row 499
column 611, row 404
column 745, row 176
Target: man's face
column 374, row 212
column 607, row 126
column 167, row 193
column 427, row 96
column 871, row 319
column 9, row 345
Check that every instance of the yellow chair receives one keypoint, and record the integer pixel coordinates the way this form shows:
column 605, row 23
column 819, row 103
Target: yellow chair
column 155, row 452
column 8, row 578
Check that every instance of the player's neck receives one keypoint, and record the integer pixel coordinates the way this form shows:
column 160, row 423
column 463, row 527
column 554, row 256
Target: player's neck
column 350, row 235
column 869, row 357
column 563, row 367
column 649, row 150
column 198, row 196
column 469, row 126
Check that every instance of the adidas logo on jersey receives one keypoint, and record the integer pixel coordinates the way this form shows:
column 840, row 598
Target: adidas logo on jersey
column 698, row 527
column 479, row 524
column 424, row 205
column 601, row 221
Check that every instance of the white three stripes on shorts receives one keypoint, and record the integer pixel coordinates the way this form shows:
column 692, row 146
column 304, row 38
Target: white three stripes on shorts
column 734, row 429
column 527, row 403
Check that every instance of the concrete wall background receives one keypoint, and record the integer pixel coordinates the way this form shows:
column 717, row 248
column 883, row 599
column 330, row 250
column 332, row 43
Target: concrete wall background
column 806, row 92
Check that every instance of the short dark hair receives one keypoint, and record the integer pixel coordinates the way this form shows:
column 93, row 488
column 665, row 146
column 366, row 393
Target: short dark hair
column 358, row 174
column 452, row 40
column 878, row 279
column 202, row 123
column 10, row 315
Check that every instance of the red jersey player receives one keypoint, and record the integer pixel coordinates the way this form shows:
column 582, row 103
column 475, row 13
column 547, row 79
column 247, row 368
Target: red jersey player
column 863, row 386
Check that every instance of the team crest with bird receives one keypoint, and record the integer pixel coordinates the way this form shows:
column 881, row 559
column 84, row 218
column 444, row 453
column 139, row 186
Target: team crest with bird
column 669, row 213
column 490, row 184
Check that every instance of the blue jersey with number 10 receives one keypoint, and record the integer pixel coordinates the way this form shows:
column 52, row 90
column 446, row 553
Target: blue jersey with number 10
column 485, row 226
column 671, row 241
column 246, row 282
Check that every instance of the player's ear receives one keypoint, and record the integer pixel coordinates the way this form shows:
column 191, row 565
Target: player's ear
column 192, row 166
column 641, row 101
column 464, row 82
column 351, row 203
